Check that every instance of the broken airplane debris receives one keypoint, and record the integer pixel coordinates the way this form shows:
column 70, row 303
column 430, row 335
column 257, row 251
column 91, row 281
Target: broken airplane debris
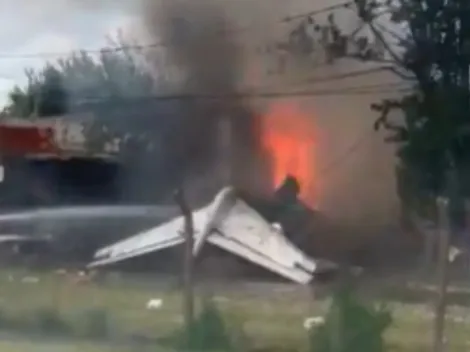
column 228, row 223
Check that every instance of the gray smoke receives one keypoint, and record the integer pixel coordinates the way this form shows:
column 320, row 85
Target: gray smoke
column 212, row 62
column 199, row 44
column 199, row 41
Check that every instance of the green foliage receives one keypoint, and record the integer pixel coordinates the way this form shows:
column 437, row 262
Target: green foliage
column 59, row 87
column 209, row 332
column 5, row 322
column 433, row 56
column 93, row 323
column 47, row 320
column 52, row 97
column 362, row 327
column 44, row 95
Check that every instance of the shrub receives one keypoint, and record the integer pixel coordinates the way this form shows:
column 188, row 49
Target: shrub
column 362, row 327
column 209, row 332
column 94, row 323
column 5, row 322
column 48, row 320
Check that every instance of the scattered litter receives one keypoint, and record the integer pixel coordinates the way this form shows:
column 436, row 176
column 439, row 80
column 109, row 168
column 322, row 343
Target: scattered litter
column 154, row 304
column 458, row 319
column 454, row 253
column 221, row 299
column 312, row 322
column 30, row 280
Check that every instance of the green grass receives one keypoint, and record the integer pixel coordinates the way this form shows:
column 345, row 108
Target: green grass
column 20, row 346
column 272, row 323
column 68, row 346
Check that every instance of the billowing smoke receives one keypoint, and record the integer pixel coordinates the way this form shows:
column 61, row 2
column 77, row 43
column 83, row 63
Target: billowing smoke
column 204, row 41
column 199, row 42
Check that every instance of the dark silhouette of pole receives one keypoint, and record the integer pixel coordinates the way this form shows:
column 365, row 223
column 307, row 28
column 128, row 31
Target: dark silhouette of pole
column 445, row 228
column 188, row 290
column 443, row 276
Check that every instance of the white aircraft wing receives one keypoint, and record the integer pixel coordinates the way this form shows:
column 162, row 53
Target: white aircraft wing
column 163, row 236
column 242, row 231
column 228, row 223
column 88, row 212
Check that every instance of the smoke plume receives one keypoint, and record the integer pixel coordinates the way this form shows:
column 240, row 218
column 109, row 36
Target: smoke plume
column 199, row 42
column 203, row 41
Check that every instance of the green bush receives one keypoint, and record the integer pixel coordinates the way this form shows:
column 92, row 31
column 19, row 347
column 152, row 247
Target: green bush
column 209, row 332
column 48, row 320
column 93, row 323
column 360, row 326
column 5, row 322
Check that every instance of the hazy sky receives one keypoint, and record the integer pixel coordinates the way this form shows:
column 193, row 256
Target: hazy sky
column 55, row 26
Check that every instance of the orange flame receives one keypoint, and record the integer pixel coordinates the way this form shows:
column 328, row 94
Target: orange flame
column 288, row 137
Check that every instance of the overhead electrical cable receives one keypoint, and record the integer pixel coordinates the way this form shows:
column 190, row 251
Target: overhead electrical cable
column 331, row 8
column 160, row 44
column 343, row 157
column 260, row 95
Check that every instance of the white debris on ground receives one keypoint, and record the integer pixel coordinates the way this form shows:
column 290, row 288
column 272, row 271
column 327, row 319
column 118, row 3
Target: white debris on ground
column 154, row 304
column 454, row 253
column 30, row 280
column 221, row 299
column 312, row 322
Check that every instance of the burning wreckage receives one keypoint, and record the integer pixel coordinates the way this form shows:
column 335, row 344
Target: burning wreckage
column 231, row 224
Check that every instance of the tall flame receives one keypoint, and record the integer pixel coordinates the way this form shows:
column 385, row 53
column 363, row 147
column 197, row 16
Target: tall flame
column 288, row 135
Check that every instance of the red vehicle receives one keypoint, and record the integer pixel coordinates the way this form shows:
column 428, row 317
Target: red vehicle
column 50, row 160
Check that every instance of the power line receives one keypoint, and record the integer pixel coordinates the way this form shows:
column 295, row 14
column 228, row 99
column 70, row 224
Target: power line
column 260, row 95
column 121, row 48
column 353, row 148
column 84, row 51
column 333, row 78
column 341, row 76
column 344, row 5
column 379, row 87
column 155, row 45
column 166, row 44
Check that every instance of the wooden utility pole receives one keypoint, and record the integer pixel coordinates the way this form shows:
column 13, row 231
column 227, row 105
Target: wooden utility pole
column 443, row 275
column 188, row 293
column 337, row 342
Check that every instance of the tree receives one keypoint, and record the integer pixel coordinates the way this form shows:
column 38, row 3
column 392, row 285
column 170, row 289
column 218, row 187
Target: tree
column 431, row 52
column 434, row 135
column 44, row 95
column 52, row 98
column 80, row 78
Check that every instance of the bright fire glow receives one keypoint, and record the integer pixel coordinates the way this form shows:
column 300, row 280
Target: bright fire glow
column 288, row 136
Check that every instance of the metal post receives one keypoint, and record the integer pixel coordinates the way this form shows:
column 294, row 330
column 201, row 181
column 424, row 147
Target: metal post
column 188, row 295
column 226, row 153
column 466, row 239
column 443, row 275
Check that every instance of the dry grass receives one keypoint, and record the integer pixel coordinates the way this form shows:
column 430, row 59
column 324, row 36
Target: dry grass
column 272, row 321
